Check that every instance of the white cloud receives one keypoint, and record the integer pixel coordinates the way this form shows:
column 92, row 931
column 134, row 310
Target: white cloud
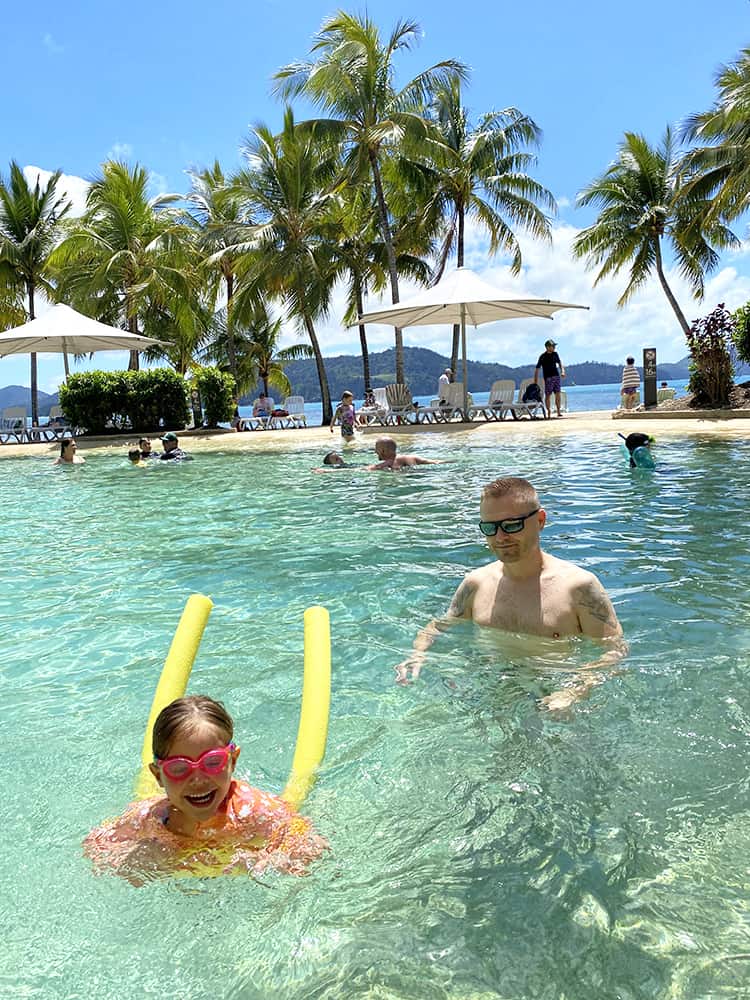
column 157, row 183
column 51, row 45
column 602, row 333
column 76, row 188
column 120, row 151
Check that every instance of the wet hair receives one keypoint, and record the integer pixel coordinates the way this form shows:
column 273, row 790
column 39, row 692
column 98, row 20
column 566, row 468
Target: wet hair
column 141, row 440
column 184, row 715
column 134, row 454
column 64, row 443
column 629, row 361
column 330, row 458
column 516, row 489
column 637, row 440
column 387, row 444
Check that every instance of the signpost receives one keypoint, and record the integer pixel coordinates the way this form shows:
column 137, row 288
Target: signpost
column 649, row 377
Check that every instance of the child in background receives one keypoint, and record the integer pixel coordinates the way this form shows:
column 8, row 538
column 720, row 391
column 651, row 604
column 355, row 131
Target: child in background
column 347, row 415
column 135, row 457
column 206, row 818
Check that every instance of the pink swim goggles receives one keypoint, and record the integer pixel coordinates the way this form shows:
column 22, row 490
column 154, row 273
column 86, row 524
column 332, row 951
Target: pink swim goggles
column 210, row 762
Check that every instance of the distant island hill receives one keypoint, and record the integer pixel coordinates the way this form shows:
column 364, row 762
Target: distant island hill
column 423, row 368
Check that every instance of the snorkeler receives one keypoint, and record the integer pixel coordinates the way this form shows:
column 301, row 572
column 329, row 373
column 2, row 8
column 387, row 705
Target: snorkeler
column 638, row 448
column 206, row 817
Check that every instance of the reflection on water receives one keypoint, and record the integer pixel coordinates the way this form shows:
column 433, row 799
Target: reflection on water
column 481, row 847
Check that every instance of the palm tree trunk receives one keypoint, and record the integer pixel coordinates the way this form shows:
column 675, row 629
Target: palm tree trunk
column 34, row 385
column 460, row 215
column 668, row 291
column 134, row 363
column 231, row 351
column 363, row 340
column 325, row 392
column 385, row 230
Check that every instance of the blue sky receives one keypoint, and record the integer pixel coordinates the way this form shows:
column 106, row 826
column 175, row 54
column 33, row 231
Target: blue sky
column 178, row 84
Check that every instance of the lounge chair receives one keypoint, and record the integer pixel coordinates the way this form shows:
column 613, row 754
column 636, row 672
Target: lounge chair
column 501, row 397
column 449, row 407
column 58, row 427
column 532, row 407
column 376, row 413
column 662, row 395
column 255, row 423
column 400, row 403
column 295, row 407
column 13, row 425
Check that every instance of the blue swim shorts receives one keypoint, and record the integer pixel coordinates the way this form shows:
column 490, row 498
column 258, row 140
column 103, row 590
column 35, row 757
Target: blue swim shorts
column 552, row 384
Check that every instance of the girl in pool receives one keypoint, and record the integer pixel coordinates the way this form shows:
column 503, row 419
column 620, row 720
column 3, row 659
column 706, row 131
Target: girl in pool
column 206, row 819
column 68, row 453
column 347, row 415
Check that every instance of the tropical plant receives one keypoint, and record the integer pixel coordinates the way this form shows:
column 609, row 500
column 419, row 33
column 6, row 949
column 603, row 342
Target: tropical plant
column 259, row 356
column 741, row 335
column 217, row 392
column 719, row 167
column 142, row 401
column 130, row 259
column 711, row 368
column 352, row 79
column 480, row 172
column 288, row 186
column 29, row 228
column 644, row 201
column 216, row 210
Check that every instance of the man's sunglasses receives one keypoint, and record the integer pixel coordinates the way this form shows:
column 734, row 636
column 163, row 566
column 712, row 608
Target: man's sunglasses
column 510, row 525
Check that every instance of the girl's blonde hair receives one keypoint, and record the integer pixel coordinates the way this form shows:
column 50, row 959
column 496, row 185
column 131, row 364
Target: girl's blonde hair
column 185, row 714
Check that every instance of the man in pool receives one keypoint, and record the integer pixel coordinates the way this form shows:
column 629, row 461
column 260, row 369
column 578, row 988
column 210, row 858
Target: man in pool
column 172, row 451
column 527, row 590
column 387, row 451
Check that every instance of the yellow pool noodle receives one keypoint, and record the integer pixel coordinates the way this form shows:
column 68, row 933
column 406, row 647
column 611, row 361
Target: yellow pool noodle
column 316, row 701
column 173, row 680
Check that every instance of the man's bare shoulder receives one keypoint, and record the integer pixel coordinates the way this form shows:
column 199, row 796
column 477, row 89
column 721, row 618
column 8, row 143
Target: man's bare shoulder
column 573, row 574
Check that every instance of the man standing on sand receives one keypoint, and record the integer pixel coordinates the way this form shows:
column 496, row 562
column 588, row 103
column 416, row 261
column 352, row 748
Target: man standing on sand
column 553, row 370
column 443, row 382
column 386, row 449
column 527, row 590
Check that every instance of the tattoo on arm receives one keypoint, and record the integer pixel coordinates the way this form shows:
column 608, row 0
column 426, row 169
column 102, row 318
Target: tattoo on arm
column 594, row 601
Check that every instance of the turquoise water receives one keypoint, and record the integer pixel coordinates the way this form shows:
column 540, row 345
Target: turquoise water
column 480, row 848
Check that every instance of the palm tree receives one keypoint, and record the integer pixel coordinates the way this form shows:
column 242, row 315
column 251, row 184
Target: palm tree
column 361, row 258
column 29, row 227
column 352, row 79
column 129, row 256
column 644, row 200
column 257, row 351
column 216, row 210
column 720, row 165
column 288, row 253
column 480, row 172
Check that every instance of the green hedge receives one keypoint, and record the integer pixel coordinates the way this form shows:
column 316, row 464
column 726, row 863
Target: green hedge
column 217, row 389
column 142, row 401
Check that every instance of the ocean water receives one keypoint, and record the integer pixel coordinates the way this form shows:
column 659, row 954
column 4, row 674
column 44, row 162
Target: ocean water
column 480, row 847
column 581, row 398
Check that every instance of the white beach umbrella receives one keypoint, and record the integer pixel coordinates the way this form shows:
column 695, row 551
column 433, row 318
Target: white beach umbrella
column 462, row 297
column 62, row 330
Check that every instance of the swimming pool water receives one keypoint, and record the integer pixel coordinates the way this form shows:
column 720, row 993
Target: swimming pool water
column 480, row 847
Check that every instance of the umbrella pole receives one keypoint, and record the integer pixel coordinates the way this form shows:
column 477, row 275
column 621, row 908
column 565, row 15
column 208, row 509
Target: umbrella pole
column 463, row 352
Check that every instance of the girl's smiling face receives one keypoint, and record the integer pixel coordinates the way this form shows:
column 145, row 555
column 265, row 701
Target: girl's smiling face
column 200, row 795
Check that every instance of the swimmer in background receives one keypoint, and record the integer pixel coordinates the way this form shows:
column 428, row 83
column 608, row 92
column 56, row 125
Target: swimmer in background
column 638, row 440
column 387, row 451
column 347, row 416
column 205, row 817
column 134, row 456
column 333, row 460
column 144, row 444
column 68, row 453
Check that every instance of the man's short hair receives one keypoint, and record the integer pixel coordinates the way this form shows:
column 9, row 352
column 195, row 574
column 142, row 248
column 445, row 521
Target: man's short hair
column 513, row 487
column 629, row 361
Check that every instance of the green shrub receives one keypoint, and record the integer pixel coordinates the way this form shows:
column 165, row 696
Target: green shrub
column 741, row 336
column 217, row 391
column 711, row 367
column 142, row 401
